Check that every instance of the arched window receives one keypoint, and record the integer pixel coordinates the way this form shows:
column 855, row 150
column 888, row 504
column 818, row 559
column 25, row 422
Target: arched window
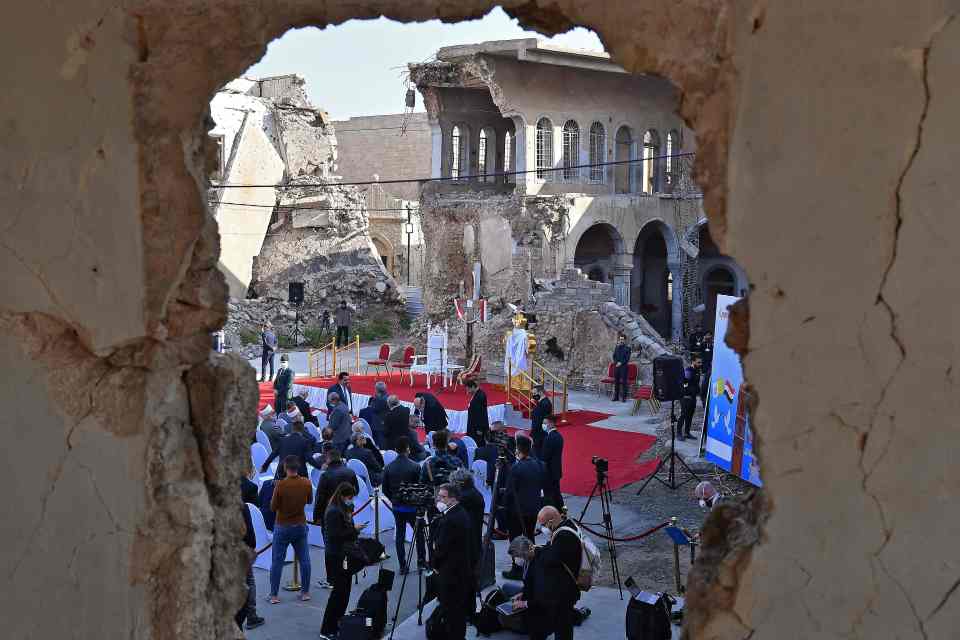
column 456, row 152
column 544, row 150
column 671, row 166
column 508, row 156
column 598, row 152
column 623, row 171
column 571, row 150
column 487, row 154
column 650, row 162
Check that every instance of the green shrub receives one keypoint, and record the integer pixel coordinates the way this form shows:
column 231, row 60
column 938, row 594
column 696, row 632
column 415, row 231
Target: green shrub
column 286, row 342
column 314, row 337
column 374, row 329
column 249, row 337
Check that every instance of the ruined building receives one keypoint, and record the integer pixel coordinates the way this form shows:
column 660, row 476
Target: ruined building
column 555, row 159
column 308, row 228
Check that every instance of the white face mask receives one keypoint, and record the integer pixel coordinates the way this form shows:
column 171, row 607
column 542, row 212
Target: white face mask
column 542, row 529
column 703, row 503
column 441, row 506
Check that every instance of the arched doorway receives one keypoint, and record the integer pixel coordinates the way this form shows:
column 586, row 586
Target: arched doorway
column 718, row 281
column 385, row 252
column 652, row 292
column 596, row 252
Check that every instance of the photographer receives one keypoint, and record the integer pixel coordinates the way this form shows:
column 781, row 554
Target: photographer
column 438, row 467
column 522, row 497
column 338, row 531
column 453, row 558
column 402, row 471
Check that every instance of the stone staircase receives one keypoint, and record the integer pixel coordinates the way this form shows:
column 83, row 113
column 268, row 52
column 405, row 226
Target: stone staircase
column 414, row 301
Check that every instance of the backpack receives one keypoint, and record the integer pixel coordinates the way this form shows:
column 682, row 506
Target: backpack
column 436, row 625
column 589, row 560
column 487, row 621
column 648, row 616
column 373, row 604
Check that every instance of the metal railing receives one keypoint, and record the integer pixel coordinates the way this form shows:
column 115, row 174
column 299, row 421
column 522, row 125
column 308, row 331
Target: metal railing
column 524, row 397
column 330, row 354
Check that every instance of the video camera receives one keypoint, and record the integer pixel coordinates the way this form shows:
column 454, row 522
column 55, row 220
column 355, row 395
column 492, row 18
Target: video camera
column 602, row 465
column 501, row 440
column 415, row 494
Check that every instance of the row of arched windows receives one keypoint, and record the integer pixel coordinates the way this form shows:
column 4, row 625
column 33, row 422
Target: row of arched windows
column 645, row 167
column 459, row 154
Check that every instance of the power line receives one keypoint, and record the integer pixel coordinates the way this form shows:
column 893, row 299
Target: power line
column 452, row 178
column 308, row 208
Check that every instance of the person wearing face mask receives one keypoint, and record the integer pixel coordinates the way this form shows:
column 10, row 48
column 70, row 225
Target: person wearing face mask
column 541, row 410
column 338, row 531
column 707, row 495
column 523, row 497
column 283, row 384
column 553, row 462
column 453, row 558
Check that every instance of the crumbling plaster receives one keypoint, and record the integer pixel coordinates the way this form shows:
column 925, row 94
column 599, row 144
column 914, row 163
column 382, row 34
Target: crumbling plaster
column 836, row 124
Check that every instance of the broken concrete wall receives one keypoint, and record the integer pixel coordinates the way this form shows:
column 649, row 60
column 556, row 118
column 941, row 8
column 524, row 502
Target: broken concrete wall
column 820, row 123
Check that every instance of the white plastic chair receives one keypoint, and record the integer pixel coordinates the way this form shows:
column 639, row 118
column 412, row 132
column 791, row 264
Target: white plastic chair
column 264, row 439
column 263, row 537
column 365, row 514
column 314, row 532
column 479, row 469
column 312, row 430
column 259, row 453
column 360, row 469
column 366, row 427
column 389, row 455
column 315, row 478
column 471, row 446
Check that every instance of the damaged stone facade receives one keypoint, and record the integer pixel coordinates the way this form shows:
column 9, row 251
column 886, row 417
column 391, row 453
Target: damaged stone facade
column 578, row 129
column 130, row 522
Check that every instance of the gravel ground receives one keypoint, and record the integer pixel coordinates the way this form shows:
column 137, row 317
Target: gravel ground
column 650, row 560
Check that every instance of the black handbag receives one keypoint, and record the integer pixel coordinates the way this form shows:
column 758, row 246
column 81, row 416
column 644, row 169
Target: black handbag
column 354, row 557
column 372, row 549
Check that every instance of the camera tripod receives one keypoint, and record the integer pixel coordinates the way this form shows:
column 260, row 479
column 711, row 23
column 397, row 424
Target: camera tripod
column 421, row 527
column 602, row 489
column 671, row 481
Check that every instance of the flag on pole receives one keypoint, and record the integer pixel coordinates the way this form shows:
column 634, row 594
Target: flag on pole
column 461, row 305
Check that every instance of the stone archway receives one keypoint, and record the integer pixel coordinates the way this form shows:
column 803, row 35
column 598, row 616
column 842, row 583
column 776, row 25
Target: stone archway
column 597, row 250
column 386, row 252
column 656, row 279
column 720, row 280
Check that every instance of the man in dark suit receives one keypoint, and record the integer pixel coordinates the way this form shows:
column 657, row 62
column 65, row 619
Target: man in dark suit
column 430, row 411
column 400, row 471
column 283, row 384
column 342, row 389
column 621, row 358
column 489, row 452
column 294, row 444
column 688, row 401
column 553, row 464
column 376, row 411
column 339, row 421
column 478, row 424
column 333, row 476
column 523, row 497
column 453, row 559
column 541, row 410
column 359, row 451
column 268, row 341
column 300, row 400
column 397, row 422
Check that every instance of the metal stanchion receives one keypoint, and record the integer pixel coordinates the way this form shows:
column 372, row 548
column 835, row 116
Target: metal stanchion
column 294, row 584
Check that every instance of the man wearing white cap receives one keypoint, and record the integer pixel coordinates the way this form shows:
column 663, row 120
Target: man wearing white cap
column 270, row 427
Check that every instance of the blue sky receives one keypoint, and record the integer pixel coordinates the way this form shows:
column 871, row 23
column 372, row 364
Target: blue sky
column 356, row 68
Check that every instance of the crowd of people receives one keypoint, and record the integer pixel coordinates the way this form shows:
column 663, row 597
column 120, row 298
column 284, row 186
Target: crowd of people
column 450, row 540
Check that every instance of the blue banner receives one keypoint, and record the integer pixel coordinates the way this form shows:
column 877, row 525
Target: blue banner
column 729, row 443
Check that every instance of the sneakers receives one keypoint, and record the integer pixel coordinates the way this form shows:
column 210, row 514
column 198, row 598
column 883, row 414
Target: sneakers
column 254, row 622
column 323, row 584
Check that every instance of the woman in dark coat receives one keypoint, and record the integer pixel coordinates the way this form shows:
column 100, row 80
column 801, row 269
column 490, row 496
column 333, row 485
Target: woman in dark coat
column 338, row 531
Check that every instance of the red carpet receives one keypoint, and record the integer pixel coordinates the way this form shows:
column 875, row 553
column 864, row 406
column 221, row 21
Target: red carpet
column 580, row 441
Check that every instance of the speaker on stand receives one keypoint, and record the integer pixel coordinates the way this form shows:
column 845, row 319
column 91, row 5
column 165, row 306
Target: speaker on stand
column 668, row 385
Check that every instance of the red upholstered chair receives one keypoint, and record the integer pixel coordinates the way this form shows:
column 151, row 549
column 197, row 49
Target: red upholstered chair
column 645, row 393
column 381, row 360
column 406, row 362
column 472, row 372
column 608, row 380
column 632, row 372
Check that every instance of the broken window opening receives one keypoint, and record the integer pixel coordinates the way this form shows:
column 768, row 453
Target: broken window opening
column 670, row 165
column 508, row 156
column 650, row 162
column 571, row 151
column 456, row 153
column 487, row 154
column 544, row 150
column 623, row 173
column 598, row 152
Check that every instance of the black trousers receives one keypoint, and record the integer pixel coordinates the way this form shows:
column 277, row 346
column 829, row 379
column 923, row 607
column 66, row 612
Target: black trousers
column 538, row 436
column 522, row 524
column 552, row 495
column 343, row 335
column 266, row 357
column 453, row 596
column 403, row 519
column 546, row 620
column 620, row 382
column 687, row 406
column 339, row 597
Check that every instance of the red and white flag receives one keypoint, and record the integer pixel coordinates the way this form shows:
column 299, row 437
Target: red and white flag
column 461, row 306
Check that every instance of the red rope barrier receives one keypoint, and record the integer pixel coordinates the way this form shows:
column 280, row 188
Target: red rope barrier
column 629, row 539
column 363, row 506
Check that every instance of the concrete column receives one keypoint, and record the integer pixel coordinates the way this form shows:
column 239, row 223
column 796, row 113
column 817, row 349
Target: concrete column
column 436, row 151
column 676, row 311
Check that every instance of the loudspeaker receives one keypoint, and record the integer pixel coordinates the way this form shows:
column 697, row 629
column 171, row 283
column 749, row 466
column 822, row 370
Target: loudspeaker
column 295, row 293
column 668, row 377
